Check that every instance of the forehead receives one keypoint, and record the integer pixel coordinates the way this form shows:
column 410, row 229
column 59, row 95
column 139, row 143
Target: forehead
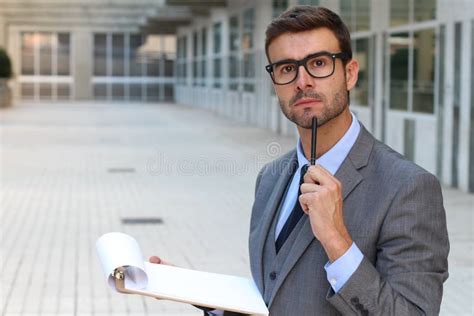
column 301, row 44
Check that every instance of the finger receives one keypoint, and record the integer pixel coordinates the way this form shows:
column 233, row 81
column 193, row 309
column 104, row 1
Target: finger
column 306, row 199
column 309, row 187
column 317, row 174
column 155, row 259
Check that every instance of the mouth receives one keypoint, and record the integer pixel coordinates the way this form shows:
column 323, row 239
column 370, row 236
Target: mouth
column 303, row 102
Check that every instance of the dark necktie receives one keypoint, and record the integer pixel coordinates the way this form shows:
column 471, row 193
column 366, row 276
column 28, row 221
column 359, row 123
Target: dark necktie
column 294, row 216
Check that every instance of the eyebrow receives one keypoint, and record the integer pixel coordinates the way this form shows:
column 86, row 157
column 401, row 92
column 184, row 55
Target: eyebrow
column 288, row 60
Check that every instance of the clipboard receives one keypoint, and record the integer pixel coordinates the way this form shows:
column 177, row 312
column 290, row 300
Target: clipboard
column 127, row 273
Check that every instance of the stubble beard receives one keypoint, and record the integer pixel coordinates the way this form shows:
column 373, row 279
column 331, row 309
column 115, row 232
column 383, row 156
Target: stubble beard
column 331, row 108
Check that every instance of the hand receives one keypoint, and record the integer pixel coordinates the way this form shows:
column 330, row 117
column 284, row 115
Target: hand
column 158, row 260
column 321, row 199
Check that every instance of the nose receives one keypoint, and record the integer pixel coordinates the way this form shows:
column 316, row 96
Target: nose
column 304, row 79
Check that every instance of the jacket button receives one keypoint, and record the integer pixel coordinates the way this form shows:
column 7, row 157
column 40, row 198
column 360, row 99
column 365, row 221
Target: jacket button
column 354, row 300
column 364, row 312
column 360, row 307
column 273, row 275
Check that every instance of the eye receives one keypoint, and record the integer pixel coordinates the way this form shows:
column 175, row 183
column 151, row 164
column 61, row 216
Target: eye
column 318, row 63
column 287, row 68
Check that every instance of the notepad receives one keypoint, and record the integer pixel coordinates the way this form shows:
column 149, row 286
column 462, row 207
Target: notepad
column 219, row 291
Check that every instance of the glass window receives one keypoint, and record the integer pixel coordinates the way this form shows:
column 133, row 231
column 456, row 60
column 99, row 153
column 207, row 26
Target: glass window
column 423, row 71
column 217, row 36
column 310, row 2
column 399, row 12
column 118, row 91
column 152, row 50
column 204, row 42
column 169, row 67
column 362, row 53
column 169, row 92
column 45, row 91
column 203, row 60
column 195, row 72
column 63, row 91
column 136, row 58
column 181, row 63
column 203, row 72
column 135, row 92
column 45, row 41
column 153, row 66
column 27, row 56
column 249, row 71
column 63, row 54
column 346, row 13
column 399, row 46
column 195, row 44
column 279, row 6
column 362, row 15
column 234, row 33
column 424, row 10
column 118, row 60
column 27, row 90
column 356, row 14
column 152, row 92
column 233, row 72
column 217, row 73
column 249, row 26
column 234, row 46
column 100, row 91
column 185, row 54
column 100, row 55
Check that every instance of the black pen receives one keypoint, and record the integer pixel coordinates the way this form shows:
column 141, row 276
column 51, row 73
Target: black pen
column 314, row 135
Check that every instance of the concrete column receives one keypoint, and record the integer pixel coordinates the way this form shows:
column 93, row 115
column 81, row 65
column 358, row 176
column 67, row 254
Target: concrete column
column 465, row 108
column 82, row 63
column 3, row 40
column 448, row 63
column 379, row 21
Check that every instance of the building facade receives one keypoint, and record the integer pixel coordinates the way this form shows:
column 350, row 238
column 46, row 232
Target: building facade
column 415, row 89
column 82, row 50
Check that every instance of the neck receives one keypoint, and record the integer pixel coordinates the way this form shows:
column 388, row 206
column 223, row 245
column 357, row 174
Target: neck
column 328, row 134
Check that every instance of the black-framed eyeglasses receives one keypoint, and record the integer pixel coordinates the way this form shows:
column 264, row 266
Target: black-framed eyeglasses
column 318, row 65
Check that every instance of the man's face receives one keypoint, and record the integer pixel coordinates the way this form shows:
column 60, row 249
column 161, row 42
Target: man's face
column 307, row 96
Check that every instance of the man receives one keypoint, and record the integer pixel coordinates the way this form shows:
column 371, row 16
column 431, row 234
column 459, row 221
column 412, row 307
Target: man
column 365, row 234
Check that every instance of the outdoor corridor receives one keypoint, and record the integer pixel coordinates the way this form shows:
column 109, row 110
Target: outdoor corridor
column 71, row 172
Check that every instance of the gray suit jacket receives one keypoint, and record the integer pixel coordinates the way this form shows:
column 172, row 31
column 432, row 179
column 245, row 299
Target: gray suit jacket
column 394, row 212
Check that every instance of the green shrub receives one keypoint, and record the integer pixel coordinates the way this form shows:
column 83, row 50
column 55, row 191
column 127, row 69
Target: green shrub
column 5, row 65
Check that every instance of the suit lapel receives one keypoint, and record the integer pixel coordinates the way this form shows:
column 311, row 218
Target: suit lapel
column 350, row 177
column 278, row 191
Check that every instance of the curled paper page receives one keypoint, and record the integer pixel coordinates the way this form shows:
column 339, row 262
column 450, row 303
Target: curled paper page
column 120, row 250
column 218, row 291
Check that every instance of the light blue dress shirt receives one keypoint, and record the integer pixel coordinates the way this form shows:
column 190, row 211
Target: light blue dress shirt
column 339, row 271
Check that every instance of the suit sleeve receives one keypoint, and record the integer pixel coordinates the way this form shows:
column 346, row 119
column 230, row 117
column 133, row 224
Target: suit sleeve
column 411, row 263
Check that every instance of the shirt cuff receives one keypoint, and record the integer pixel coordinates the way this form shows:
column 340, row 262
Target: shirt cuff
column 342, row 269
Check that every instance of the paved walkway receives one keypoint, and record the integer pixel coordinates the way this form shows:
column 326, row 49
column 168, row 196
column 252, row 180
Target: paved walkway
column 71, row 172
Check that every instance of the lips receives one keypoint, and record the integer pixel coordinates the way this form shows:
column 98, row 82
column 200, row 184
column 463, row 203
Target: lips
column 306, row 101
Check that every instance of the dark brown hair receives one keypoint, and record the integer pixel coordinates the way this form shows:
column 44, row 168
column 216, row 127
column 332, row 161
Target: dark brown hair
column 302, row 18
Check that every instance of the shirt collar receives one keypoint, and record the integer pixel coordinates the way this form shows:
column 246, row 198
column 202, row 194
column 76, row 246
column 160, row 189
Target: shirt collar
column 334, row 157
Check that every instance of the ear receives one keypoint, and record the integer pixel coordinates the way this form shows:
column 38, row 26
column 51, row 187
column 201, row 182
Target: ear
column 352, row 73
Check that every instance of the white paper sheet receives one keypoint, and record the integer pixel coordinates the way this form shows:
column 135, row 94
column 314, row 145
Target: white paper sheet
column 121, row 250
column 213, row 290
